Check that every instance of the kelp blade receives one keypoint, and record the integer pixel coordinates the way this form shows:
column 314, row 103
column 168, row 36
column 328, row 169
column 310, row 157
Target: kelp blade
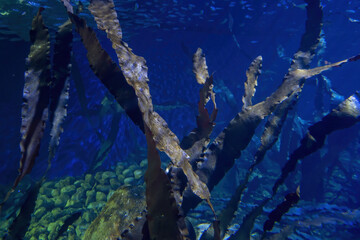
column 135, row 71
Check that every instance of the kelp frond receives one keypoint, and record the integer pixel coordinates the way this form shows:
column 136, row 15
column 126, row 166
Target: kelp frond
column 252, row 74
column 135, row 71
column 345, row 115
column 36, row 98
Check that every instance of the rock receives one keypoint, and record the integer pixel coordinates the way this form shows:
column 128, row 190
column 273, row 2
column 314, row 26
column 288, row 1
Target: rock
column 43, row 237
column 47, row 218
column 138, row 174
column 121, row 178
column 55, row 193
column 119, row 169
column 98, row 177
column 89, row 179
column 80, row 230
column 86, row 186
column 60, row 201
column 65, row 182
column 52, row 227
column 70, row 189
column 129, row 180
column 40, row 212
column 71, row 233
column 127, row 172
column 100, row 196
column 144, row 163
column 96, row 205
column 44, row 201
column 73, row 204
column 78, row 183
column 57, row 213
column 132, row 167
column 106, row 175
column 88, row 216
column 110, row 195
column 48, row 184
column 103, row 188
column 45, row 191
column 123, row 207
column 79, row 195
column 90, row 196
column 114, row 183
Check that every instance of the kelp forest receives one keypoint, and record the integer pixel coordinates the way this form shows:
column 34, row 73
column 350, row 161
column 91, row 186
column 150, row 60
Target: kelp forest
column 172, row 187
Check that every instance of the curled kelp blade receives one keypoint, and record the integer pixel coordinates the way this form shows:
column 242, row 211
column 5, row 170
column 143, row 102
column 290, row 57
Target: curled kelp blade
column 199, row 138
column 275, row 215
column 252, row 74
column 135, row 71
column 200, row 68
column 36, row 97
column 106, row 69
column 345, row 115
column 60, row 84
column 163, row 216
column 244, row 232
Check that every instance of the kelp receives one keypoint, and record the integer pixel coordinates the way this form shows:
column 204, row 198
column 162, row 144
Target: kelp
column 135, row 71
column 212, row 232
column 163, row 216
column 199, row 138
column 107, row 144
column 252, row 74
column 228, row 213
column 36, row 98
column 228, row 145
column 200, row 68
column 106, row 69
column 68, row 221
column 21, row 223
column 60, row 84
column 248, row 222
column 276, row 214
column 345, row 115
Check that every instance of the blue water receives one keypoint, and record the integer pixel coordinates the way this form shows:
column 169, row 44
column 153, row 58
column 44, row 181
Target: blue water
column 231, row 34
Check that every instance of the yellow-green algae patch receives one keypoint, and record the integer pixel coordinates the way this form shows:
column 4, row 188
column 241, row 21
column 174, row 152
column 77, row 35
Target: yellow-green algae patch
column 123, row 207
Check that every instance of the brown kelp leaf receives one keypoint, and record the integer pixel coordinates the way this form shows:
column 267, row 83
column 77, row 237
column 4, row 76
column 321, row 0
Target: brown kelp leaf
column 135, row 71
column 59, row 88
column 252, row 74
column 107, row 144
column 163, row 213
column 237, row 135
column 36, row 97
column 21, row 223
column 345, row 115
column 248, row 222
column 199, row 138
column 275, row 216
column 200, row 68
column 212, row 232
column 68, row 6
column 108, row 72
